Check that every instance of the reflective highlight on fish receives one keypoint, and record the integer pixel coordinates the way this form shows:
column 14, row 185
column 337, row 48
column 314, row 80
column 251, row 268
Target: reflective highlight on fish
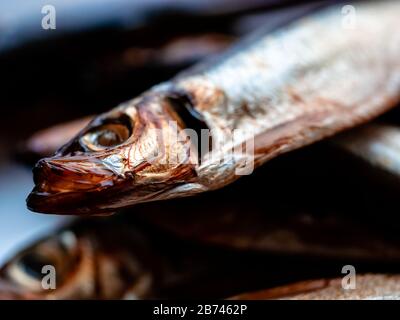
column 276, row 92
column 377, row 143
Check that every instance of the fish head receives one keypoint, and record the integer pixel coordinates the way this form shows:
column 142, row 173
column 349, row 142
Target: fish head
column 135, row 153
column 76, row 263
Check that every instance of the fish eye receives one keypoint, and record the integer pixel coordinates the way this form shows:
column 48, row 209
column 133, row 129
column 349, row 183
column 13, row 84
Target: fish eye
column 107, row 135
column 26, row 270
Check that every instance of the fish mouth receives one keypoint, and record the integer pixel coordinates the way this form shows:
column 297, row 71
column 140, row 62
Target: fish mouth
column 63, row 187
column 67, row 203
column 71, row 186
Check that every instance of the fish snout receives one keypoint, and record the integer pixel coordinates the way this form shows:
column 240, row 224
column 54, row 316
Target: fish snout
column 54, row 176
column 60, row 182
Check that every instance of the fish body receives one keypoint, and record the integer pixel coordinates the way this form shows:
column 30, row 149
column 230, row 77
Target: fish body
column 367, row 287
column 274, row 93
